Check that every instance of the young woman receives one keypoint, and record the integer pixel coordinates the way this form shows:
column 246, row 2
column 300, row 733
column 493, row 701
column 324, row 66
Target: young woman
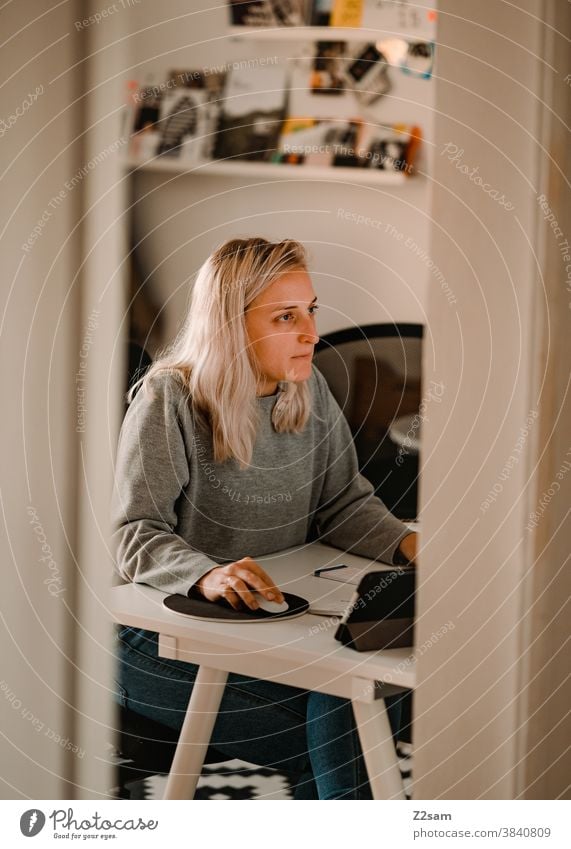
column 234, row 448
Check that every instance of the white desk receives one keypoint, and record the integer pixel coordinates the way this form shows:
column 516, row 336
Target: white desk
column 300, row 652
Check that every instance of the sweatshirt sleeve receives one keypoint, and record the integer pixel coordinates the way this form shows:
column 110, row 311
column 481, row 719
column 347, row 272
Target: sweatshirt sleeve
column 350, row 516
column 151, row 474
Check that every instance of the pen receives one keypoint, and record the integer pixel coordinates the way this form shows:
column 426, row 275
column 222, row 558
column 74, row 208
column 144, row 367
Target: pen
column 318, row 572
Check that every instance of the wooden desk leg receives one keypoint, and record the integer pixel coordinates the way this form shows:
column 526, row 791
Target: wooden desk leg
column 201, row 714
column 378, row 749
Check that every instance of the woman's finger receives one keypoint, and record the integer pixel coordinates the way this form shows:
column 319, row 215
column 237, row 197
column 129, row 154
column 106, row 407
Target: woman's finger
column 269, row 588
column 243, row 592
column 230, row 596
column 259, row 585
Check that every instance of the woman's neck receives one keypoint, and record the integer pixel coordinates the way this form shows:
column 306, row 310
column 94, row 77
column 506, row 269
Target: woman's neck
column 267, row 389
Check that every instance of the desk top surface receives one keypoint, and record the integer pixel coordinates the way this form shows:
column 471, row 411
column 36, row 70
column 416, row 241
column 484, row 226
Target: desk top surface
column 308, row 639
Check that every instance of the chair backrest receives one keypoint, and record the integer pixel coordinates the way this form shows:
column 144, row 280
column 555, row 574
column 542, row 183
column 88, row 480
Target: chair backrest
column 139, row 360
column 374, row 373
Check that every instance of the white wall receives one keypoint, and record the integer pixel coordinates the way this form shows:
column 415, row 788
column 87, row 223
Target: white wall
column 62, row 304
column 104, row 294
column 361, row 272
column 546, row 685
column 38, row 359
column 474, row 723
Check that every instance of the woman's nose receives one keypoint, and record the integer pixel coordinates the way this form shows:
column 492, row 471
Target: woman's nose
column 308, row 333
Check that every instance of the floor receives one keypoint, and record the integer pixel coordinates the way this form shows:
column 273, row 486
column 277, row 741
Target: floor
column 239, row 780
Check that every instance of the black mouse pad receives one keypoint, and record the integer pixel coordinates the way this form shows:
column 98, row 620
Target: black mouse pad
column 200, row 608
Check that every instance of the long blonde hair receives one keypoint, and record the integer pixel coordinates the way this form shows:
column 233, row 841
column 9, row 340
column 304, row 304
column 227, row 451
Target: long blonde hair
column 210, row 354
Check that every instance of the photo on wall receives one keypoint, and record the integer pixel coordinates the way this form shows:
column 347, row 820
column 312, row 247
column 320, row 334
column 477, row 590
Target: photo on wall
column 329, row 142
column 390, row 148
column 419, row 59
column 403, row 18
column 176, row 117
column 337, row 13
column 318, row 141
column 253, row 111
column 267, row 13
column 327, row 75
column 142, row 123
column 368, row 75
column 180, row 121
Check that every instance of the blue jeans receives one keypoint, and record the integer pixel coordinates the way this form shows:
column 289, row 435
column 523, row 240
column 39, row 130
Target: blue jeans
column 310, row 735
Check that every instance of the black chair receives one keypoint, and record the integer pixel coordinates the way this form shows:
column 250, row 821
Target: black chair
column 374, row 373
column 145, row 748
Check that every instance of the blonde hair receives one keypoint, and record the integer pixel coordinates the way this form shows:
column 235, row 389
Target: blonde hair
column 211, row 353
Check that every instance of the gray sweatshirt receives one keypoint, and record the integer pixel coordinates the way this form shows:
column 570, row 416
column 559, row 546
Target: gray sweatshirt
column 176, row 513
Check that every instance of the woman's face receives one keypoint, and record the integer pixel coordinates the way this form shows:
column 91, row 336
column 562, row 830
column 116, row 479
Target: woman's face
column 280, row 324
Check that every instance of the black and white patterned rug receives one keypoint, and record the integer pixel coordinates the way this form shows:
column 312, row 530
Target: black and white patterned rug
column 239, row 780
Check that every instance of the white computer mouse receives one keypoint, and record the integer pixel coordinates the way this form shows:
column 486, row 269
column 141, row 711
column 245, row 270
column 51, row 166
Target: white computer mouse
column 270, row 606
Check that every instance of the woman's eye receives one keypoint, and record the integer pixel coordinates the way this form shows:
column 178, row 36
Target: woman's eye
column 289, row 316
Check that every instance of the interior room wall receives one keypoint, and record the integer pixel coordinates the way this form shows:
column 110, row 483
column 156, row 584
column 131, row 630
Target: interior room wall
column 39, row 348
column 363, row 272
column 546, row 685
column 103, row 276
column 63, row 299
column 479, row 568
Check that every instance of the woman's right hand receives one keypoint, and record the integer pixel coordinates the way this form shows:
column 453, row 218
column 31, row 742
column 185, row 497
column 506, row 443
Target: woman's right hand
column 236, row 582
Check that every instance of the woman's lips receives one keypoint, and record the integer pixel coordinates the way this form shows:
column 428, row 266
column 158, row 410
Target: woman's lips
column 303, row 356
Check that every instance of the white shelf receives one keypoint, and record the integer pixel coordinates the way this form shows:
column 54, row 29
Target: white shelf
column 309, row 33
column 272, row 170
